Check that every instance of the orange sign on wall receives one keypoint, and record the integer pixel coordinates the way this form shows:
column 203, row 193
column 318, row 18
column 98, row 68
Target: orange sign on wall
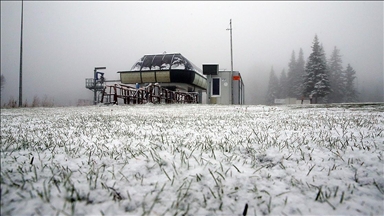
column 236, row 77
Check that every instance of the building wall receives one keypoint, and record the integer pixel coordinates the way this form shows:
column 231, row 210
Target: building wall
column 231, row 91
column 237, row 88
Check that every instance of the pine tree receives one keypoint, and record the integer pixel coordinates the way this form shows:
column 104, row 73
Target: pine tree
column 350, row 92
column 283, row 85
column 336, row 78
column 300, row 71
column 273, row 88
column 291, row 75
column 316, row 82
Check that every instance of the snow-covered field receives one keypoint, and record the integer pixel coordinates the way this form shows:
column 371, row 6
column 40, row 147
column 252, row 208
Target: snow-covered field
column 193, row 160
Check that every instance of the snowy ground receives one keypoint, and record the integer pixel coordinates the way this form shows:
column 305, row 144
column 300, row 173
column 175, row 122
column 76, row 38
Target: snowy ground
column 193, row 160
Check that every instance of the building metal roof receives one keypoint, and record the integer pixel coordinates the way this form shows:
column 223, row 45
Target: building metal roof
column 166, row 61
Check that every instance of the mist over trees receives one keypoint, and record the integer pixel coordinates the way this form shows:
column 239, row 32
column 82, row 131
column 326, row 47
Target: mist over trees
column 273, row 87
column 336, row 76
column 296, row 75
column 350, row 94
column 323, row 80
column 283, row 85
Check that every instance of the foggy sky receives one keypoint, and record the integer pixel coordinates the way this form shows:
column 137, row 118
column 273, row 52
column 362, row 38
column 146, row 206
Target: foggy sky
column 64, row 41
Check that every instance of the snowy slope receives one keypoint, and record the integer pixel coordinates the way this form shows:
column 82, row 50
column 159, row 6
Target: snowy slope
column 193, row 160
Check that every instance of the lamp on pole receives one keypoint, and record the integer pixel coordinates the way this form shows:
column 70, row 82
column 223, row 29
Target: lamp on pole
column 21, row 60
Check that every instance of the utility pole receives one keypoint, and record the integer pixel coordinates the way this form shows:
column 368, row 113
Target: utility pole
column 21, row 59
column 230, row 31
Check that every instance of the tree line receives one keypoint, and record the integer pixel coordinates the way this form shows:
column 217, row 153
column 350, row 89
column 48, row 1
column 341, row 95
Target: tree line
column 46, row 102
column 12, row 103
column 318, row 79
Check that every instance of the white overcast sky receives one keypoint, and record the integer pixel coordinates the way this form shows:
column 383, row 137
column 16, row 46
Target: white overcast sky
column 64, row 41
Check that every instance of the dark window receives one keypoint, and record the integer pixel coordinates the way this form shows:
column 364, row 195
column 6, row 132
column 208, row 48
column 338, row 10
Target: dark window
column 216, row 86
column 147, row 62
column 210, row 69
column 156, row 63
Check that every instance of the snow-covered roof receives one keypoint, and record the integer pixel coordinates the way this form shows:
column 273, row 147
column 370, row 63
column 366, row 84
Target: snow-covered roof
column 168, row 61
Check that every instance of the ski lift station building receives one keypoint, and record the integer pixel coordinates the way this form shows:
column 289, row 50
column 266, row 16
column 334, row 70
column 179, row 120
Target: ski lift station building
column 176, row 73
column 172, row 71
